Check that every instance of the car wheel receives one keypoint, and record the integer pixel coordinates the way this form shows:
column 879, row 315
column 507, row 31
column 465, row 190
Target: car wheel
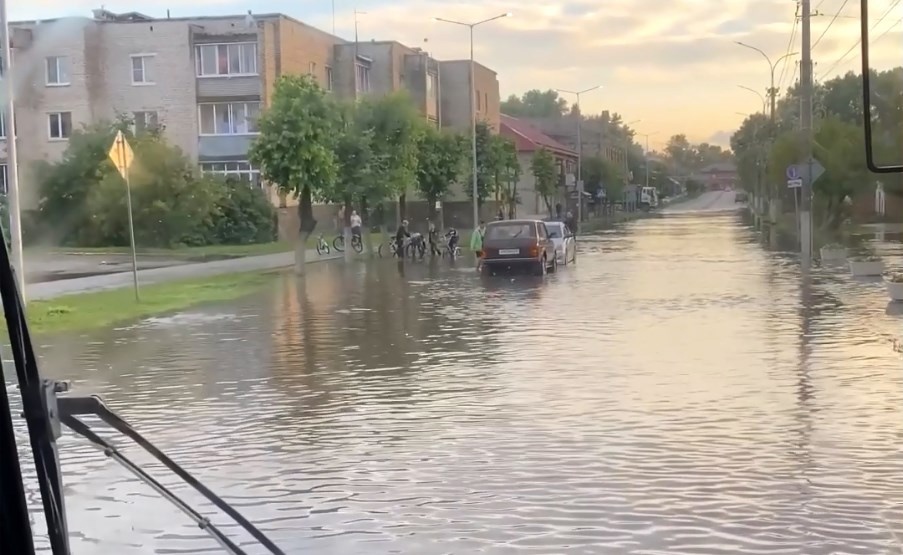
column 541, row 267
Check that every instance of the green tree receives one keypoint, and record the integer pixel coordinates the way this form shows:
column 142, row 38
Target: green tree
column 441, row 162
column 510, row 165
column 545, row 172
column 599, row 173
column 396, row 127
column 244, row 215
column 535, row 103
column 296, row 149
column 488, row 162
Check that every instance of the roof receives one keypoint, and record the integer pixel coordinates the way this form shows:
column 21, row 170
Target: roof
column 530, row 139
column 725, row 167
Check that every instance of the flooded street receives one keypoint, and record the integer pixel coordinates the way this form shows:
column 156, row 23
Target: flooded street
column 680, row 390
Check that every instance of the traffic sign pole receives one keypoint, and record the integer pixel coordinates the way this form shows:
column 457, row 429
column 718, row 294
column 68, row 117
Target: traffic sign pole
column 122, row 157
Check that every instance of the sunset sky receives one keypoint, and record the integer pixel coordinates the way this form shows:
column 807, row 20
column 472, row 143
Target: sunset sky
column 672, row 64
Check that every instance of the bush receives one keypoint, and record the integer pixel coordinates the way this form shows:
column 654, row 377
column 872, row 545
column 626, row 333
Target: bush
column 245, row 215
column 83, row 198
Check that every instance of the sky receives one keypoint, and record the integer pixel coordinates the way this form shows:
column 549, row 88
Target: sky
column 672, row 66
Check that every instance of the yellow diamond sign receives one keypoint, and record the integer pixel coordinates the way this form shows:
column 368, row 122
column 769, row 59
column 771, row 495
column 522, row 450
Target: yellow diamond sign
column 121, row 154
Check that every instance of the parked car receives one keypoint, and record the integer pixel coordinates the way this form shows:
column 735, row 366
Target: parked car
column 512, row 244
column 740, row 197
column 564, row 241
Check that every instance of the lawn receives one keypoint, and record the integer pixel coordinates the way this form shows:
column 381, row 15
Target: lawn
column 190, row 253
column 106, row 308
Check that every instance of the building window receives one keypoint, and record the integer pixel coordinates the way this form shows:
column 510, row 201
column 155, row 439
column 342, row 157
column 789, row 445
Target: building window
column 57, row 71
column 328, row 78
column 362, row 77
column 142, row 69
column 229, row 118
column 145, row 122
column 486, row 101
column 242, row 171
column 239, row 58
column 312, row 69
column 479, row 101
column 2, row 124
column 59, row 125
column 4, row 179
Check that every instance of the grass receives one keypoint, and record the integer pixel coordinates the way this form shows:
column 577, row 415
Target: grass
column 190, row 253
column 106, row 308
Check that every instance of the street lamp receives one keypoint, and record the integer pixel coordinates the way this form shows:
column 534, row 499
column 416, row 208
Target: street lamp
column 12, row 167
column 646, row 153
column 772, row 92
column 579, row 148
column 744, row 87
column 473, row 109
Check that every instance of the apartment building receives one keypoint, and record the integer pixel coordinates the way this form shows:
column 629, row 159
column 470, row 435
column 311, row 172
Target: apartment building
column 455, row 78
column 205, row 80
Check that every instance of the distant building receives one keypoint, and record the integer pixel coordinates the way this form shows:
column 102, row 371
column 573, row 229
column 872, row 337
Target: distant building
column 528, row 139
column 455, row 78
column 717, row 176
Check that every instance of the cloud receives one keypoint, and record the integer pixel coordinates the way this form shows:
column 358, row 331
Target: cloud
column 672, row 64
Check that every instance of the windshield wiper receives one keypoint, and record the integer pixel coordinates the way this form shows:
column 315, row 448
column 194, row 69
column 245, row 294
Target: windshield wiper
column 44, row 414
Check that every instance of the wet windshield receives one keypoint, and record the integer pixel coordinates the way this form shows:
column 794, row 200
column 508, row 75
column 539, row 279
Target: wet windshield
column 220, row 273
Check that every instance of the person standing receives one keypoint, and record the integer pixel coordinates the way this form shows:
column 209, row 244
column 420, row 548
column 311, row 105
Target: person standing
column 476, row 243
column 433, row 237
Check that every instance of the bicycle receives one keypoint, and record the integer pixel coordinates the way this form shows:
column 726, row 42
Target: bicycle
column 322, row 245
column 390, row 250
column 356, row 243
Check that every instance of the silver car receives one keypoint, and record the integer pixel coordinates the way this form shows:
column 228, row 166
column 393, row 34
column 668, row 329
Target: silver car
column 565, row 242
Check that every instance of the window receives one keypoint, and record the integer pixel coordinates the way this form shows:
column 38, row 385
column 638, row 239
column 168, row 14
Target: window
column 145, row 122
column 362, row 77
column 328, row 78
column 227, row 59
column 2, row 124
column 312, row 69
column 4, row 177
column 242, row 171
column 510, row 231
column 60, row 125
column 479, row 104
column 486, row 101
column 229, row 118
column 142, row 66
column 57, row 71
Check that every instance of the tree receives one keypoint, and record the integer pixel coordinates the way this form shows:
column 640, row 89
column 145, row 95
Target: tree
column 396, row 128
column 487, row 164
column 544, row 171
column 510, row 164
column 296, row 149
column 599, row 173
column 535, row 104
column 441, row 161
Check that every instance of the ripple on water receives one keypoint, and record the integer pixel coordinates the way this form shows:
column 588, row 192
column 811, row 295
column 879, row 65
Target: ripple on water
column 679, row 390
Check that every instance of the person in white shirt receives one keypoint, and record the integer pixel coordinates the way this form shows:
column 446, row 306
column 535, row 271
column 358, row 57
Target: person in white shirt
column 355, row 224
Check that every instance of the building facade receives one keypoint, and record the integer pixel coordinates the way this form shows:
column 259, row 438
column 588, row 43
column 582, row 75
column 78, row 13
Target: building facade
column 203, row 80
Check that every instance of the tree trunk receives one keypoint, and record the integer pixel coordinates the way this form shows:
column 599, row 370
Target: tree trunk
column 365, row 216
column 402, row 207
column 307, row 226
column 346, row 233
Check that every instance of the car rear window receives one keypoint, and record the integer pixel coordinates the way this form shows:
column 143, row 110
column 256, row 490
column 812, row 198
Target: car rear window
column 510, row 231
column 555, row 231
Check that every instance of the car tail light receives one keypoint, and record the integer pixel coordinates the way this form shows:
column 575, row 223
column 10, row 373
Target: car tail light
column 534, row 250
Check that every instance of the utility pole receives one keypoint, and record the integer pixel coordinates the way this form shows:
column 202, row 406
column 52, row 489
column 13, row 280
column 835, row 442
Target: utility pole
column 806, row 136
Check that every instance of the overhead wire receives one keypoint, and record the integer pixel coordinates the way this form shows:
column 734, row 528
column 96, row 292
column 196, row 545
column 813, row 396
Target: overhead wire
column 841, row 59
column 828, row 28
column 796, row 21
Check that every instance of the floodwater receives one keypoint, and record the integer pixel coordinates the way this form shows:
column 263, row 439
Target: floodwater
column 681, row 390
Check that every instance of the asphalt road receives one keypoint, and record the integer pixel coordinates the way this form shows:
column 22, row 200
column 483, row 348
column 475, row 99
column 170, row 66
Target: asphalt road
column 712, row 201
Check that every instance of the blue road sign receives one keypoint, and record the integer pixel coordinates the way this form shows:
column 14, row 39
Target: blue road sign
column 793, row 172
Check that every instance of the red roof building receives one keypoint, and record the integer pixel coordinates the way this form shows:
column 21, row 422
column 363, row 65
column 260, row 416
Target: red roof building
column 528, row 139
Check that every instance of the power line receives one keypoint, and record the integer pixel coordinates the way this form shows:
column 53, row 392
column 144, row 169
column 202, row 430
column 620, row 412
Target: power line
column 833, row 19
column 796, row 22
column 859, row 41
column 889, row 29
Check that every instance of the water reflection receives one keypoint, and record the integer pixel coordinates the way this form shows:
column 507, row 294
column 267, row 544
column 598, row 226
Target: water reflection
column 679, row 390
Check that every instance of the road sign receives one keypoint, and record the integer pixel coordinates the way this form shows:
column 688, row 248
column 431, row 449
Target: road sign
column 794, row 183
column 817, row 170
column 121, row 154
column 793, row 172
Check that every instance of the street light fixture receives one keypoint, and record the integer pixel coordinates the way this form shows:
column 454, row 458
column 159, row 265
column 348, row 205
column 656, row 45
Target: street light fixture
column 473, row 109
column 579, row 147
column 744, row 87
column 772, row 91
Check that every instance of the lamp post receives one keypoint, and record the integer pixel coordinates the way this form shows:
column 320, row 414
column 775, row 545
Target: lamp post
column 12, row 167
column 579, row 148
column 744, row 87
column 473, row 110
column 646, row 153
column 772, row 91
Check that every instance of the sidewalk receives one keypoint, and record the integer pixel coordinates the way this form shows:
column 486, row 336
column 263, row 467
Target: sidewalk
column 59, row 288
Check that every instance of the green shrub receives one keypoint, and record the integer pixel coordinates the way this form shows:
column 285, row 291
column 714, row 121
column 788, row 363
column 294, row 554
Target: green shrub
column 244, row 216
